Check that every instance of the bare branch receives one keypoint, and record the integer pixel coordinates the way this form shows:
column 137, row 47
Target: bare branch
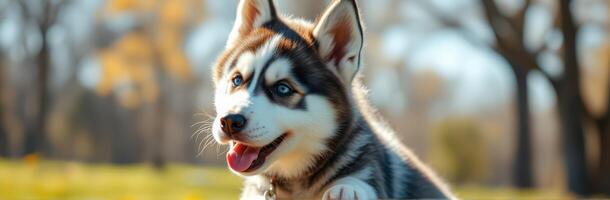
column 569, row 29
column 441, row 17
column 25, row 11
column 606, row 118
column 50, row 13
column 452, row 22
column 491, row 13
column 508, row 46
column 519, row 19
column 549, row 77
column 504, row 30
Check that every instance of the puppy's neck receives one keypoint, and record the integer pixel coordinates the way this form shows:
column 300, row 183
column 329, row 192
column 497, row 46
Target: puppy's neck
column 323, row 168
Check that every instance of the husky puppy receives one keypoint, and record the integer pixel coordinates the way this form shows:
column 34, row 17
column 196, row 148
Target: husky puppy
column 291, row 107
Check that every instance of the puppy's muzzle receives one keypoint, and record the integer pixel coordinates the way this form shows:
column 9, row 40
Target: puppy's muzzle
column 232, row 124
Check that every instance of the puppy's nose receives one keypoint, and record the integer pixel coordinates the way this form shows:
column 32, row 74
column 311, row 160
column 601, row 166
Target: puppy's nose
column 232, row 124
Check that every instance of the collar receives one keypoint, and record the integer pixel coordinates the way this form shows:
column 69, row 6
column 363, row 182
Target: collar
column 270, row 193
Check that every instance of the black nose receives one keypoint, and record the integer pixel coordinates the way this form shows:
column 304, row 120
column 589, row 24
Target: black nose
column 232, row 124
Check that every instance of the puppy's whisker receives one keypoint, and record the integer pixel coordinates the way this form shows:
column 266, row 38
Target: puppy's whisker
column 200, row 131
column 196, row 133
column 197, row 123
column 204, row 127
column 204, row 113
column 201, row 143
column 222, row 153
column 209, row 137
column 209, row 141
column 217, row 150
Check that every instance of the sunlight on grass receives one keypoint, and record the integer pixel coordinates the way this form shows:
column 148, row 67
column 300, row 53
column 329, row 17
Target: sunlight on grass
column 68, row 180
column 478, row 192
column 35, row 179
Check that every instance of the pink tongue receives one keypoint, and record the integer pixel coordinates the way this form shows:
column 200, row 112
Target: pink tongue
column 240, row 157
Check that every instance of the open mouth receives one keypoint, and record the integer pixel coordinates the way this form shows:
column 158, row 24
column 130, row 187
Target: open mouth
column 244, row 158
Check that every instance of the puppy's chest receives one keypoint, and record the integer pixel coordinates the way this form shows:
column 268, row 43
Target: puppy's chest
column 258, row 189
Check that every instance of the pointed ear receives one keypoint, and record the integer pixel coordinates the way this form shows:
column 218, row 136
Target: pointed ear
column 251, row 14
column 340, row 37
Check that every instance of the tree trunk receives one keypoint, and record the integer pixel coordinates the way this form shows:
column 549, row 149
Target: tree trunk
column 603, row 183
column 3, row 133
column 570, row 107
column 573, row 143
column 523, row 159
column 159, row 160
column 125, row 143
column 603, row 128
column 3, row 136
column 35, row 133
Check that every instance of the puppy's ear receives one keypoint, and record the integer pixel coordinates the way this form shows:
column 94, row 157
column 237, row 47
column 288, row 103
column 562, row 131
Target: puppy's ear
column 251, row 14
column 340, row 37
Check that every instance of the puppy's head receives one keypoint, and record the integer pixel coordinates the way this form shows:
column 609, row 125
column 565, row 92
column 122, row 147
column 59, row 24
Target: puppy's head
column 282, row 86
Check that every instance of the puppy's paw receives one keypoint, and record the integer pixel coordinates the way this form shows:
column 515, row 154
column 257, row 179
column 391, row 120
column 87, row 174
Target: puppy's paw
column 343, row 192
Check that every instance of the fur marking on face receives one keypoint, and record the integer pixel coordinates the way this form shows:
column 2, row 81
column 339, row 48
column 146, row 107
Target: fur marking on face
column 290, row 110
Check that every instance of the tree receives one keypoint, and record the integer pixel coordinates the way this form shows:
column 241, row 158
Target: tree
column 570, row 105
column 149, row 59
column 602, row 123
column 510, row 43
column 603, row 127
column 35, row 136
column 3, row 132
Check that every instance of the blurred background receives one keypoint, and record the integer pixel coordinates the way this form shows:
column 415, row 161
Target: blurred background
column 113, row 99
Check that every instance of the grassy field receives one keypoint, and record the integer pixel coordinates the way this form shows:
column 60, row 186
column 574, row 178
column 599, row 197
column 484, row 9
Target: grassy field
column 65, row 180
column 32, row 179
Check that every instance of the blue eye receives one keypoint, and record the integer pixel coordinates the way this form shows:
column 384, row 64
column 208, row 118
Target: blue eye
column 237, row 80
column 283, row 89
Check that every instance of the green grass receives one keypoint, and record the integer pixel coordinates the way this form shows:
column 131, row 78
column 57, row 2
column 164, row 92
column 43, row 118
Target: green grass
column 478, row 192
column 67, row 180
column 33, row 179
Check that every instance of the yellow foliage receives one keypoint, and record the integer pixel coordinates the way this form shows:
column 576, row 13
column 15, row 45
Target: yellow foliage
column 121, row 5
column 128, row 65
column 112, row 71
column 129, row 99
column 131, row 64
column 117, row 6
column 176, row 65
column 174, row 60
column 173, row 11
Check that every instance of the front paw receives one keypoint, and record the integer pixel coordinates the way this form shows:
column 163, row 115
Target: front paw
column 343, row 192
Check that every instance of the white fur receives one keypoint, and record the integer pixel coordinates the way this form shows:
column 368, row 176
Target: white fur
column 311, row 128
column 254, row 184
column 349, row 188
column 267, row 121
column 244, row 64
column 262, row 56
column 278, row 70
